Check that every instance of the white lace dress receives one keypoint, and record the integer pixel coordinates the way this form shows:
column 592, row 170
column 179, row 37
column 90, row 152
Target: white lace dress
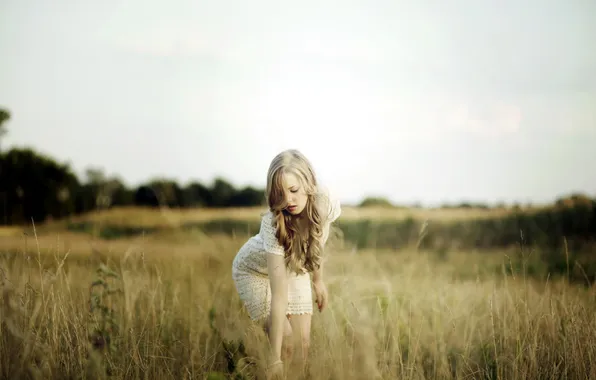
column 249, row 270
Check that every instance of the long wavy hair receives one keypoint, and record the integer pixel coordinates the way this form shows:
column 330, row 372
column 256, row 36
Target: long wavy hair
column 303, row 249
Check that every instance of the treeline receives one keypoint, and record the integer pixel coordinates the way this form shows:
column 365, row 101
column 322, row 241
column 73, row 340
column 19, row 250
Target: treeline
column 36, row 187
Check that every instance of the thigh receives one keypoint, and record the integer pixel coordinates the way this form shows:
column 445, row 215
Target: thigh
column 299, row 295
column 287, row 327
column 300, row 308
column 300, row 326
column 254, row 291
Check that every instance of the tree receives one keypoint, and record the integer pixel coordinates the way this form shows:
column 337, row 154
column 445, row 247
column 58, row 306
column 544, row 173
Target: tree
column 101, row 191
column 197, row 195
column 4, row 117
column 222, row 192
column 248, row 196
column 376, row 201
column 34, row 186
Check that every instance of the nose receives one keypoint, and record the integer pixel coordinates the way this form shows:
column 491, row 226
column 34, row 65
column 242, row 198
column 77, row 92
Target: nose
column 289, row 198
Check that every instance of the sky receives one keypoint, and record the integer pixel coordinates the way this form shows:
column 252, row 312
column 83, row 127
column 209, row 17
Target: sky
column 416, row 101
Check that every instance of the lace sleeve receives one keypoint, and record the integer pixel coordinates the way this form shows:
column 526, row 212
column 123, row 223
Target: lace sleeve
column 333, row 206
column 270, row 242
column 335, row 209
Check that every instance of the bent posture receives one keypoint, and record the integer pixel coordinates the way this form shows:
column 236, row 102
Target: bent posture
column 272, row 271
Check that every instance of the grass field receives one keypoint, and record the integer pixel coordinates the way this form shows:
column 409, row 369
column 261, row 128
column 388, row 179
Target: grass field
column 393, row 314
column 149, row 217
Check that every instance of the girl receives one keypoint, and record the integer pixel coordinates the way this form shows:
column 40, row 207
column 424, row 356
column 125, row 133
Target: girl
column 271, row 270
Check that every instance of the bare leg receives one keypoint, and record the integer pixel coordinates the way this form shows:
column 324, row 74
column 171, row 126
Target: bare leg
column 287, row 348
column 300, row 324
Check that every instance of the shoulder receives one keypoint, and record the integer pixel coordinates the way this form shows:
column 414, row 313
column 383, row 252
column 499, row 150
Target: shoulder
column 267, row 221
column 267, row 232
column 330, row 204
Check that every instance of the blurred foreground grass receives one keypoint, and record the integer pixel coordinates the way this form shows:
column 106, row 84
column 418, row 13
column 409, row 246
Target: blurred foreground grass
column 164, row 307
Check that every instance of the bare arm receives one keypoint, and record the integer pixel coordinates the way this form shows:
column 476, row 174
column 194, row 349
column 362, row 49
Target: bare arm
column 279, row 302
column 317, row 275
column 334, row 213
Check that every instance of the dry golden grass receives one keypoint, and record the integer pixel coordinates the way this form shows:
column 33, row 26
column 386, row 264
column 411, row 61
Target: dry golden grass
column 392, row 315
column 165, row 217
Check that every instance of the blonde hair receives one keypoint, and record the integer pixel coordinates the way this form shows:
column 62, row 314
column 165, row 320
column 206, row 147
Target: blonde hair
column 300, row 251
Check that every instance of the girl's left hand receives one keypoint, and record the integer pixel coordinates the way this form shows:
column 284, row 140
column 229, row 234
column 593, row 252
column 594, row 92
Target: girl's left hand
column 275, row 371
column 321, row 294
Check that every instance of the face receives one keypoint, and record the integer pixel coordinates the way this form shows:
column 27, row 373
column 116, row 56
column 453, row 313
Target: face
column 295, row 194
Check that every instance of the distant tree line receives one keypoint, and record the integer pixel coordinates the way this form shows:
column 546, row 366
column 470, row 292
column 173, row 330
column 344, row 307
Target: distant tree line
column 36, row 187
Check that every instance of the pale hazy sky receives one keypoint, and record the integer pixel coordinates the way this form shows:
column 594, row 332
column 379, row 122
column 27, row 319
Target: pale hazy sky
column 425, row 101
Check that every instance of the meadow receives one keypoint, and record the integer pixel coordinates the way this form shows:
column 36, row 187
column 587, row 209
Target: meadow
column 153, row 298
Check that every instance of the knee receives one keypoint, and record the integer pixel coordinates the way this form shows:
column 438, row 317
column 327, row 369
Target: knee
column 287, row 347
column 305, row 344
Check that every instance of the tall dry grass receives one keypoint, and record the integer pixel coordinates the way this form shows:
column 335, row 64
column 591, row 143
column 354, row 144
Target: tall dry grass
column 165, row 308
column 166, row 217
